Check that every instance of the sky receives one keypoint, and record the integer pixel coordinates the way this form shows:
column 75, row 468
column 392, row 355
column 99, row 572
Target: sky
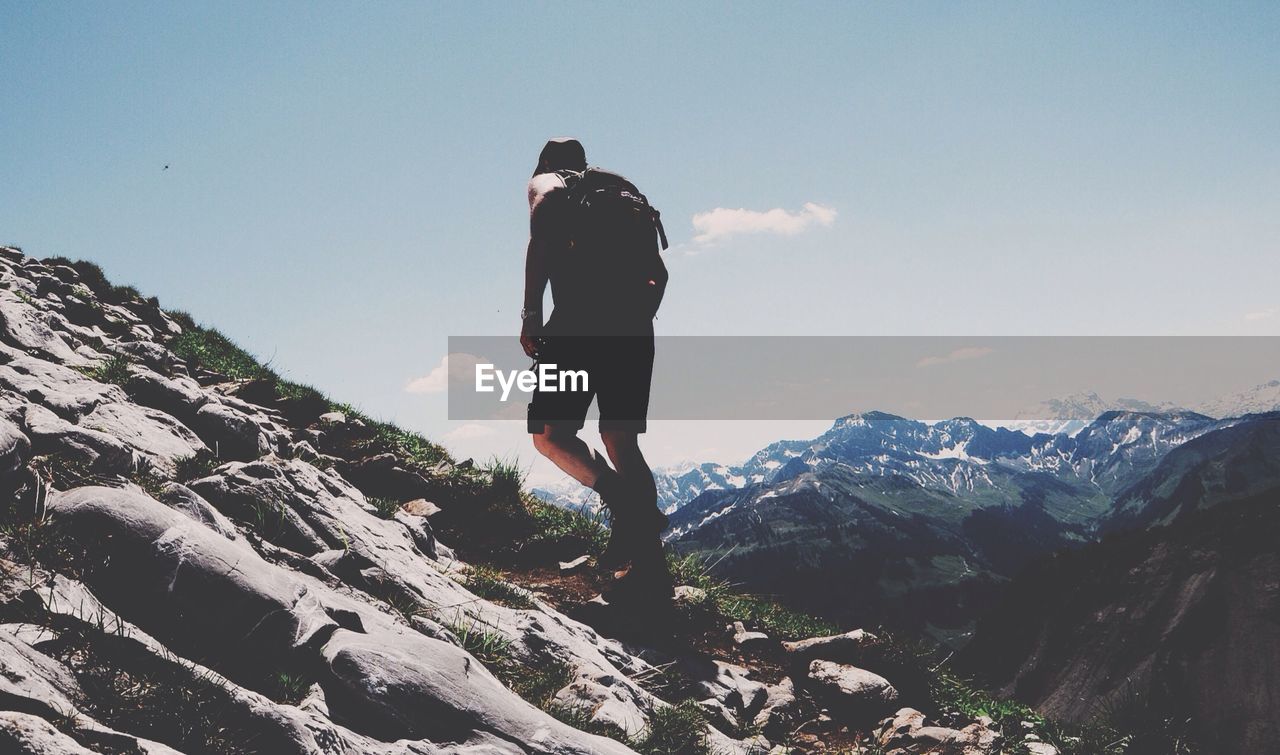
column 346, row 182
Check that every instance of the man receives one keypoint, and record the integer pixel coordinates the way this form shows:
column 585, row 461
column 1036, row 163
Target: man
column 593, row 236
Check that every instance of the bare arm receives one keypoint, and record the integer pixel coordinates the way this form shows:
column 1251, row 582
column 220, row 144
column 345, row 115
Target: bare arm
column 535, row 284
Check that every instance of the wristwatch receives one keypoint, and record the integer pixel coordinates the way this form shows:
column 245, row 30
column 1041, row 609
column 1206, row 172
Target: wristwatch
column 526, row 313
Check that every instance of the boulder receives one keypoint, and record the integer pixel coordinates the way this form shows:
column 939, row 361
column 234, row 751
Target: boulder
column 184, row 499
column 52, row 434
column 907, row 732
column 15, row 452
column 149, row 433
column 179, row 396
column 777, row 718
column 749, row 641
column 27, row 328
column 25, row 734
column 64, row 391
column 854, row 695
column 232, row 434
column 841, row 648
column 602, row 705
column 727, row 684
column 384, row 476
column 32, row 680
column 418, row 688
column 688, row 595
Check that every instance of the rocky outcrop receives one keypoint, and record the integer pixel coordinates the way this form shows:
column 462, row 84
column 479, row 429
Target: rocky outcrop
column 853, row 694
column 177, row 541
column 907, row 732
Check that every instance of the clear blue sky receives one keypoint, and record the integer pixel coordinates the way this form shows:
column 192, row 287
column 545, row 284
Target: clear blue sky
column 346, row 182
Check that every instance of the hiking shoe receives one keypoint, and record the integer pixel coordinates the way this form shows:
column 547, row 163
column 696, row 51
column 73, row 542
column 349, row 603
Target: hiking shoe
column 628, row 535
column 647, row 584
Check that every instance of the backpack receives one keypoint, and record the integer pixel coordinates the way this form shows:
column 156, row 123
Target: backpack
column 616, row 236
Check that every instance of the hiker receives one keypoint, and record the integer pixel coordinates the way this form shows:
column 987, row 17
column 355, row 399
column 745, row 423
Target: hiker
column 595, row 238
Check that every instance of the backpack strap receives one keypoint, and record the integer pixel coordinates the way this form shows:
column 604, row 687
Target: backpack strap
column 657, row 223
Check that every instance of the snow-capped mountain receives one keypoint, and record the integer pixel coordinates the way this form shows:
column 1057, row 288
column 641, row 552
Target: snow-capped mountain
column 676, row 484
column 917, row 524
column 1256, row 400
column 1070, row 414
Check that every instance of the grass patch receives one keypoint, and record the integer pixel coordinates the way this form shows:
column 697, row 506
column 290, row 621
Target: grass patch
column 386, row 507
column 200, row 464
column 114, row 370
column 145, row 476
column 489, row 647
column 289, row 688
column 171, row 704
column 208, row 349
column 675, row 730
column 487, row 583
column 92, row 277
column 579, row 717
column 723, row 599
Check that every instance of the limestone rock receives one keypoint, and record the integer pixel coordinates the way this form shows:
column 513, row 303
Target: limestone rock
column 841, row 648
column 25, row 734
column 50, row 434
column 64, row 391
column 907, row 732
column 853, row 694
column 688, row 595
column 778, row 716
column 602, row 705
column 15, row 450
column 749, row 641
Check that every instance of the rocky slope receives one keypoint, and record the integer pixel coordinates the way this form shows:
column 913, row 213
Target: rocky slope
column 197, row 556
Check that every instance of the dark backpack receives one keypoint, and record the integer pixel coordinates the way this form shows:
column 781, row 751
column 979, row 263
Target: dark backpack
column 615, row 234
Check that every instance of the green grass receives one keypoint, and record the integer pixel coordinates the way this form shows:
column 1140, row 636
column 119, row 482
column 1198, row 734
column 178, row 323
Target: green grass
column 208, row 349
column 506, row 478
column 487, row 582
column 198, row 465
column 92, row 277
column 145, row 476
column 289, row 688
column 186, row 709
column 489, row 647
column 114, row 370
column 675, row 730
column 386, row 507
column 725, row 600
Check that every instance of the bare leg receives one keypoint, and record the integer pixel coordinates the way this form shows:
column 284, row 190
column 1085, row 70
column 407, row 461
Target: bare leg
column 647, row 554
column 623, row 448
column 571, row 454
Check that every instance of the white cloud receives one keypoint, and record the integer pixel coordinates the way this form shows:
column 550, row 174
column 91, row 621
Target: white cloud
column 458, row 366
column 1262, row 314
column 469, row 431
column 959, row 355
column 721, row 223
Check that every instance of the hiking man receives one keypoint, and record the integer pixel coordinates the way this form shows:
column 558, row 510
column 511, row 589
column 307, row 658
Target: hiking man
column 594, row 237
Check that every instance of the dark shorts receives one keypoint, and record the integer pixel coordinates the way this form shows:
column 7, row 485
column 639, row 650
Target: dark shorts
column 618, row 370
